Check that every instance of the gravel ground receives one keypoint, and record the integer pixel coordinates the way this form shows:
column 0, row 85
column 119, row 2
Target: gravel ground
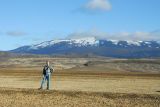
column 40, row 98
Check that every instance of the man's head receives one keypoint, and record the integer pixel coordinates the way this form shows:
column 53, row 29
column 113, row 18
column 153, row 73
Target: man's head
column 47, row 63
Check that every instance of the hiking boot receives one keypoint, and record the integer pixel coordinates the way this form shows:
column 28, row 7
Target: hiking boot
column 40, row 88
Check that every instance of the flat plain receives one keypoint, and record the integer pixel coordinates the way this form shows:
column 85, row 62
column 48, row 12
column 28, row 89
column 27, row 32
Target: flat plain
column 81, row 82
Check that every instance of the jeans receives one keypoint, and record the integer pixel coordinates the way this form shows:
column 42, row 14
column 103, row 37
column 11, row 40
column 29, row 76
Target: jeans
column 46, row 78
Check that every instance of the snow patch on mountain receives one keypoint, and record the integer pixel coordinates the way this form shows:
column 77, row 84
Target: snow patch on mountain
column 137, row 43
column 91, row 41
column 86, row 41
column 114, row 42
column 78, row 42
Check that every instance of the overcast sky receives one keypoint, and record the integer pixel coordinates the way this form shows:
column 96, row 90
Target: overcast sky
column 24, row 22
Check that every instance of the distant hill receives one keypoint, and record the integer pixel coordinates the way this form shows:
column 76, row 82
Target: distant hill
column 93, row 46
column 4, row 54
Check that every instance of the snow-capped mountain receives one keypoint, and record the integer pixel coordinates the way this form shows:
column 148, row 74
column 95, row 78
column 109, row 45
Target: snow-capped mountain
column 91, row 45
column 76, row 42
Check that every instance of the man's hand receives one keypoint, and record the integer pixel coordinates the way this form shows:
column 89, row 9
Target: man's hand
column 51, row 70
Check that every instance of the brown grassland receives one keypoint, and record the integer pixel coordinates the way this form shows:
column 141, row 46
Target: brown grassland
column 81, row 82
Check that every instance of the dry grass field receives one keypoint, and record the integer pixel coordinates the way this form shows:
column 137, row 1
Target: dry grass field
column 37, row 98
column 81, row 82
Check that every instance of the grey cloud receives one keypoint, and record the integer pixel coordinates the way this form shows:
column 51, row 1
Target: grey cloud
column 16, row 33
column 135, row 36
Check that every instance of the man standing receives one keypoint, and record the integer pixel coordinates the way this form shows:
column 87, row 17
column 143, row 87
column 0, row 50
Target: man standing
column 47, row 70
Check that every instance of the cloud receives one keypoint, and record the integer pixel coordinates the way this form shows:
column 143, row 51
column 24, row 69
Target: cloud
column 92, row 33
column 94, row 5
column 134, row 36
column 16, row 33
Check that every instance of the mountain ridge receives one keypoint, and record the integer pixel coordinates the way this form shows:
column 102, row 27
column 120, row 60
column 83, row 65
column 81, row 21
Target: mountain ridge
column 91, row 45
